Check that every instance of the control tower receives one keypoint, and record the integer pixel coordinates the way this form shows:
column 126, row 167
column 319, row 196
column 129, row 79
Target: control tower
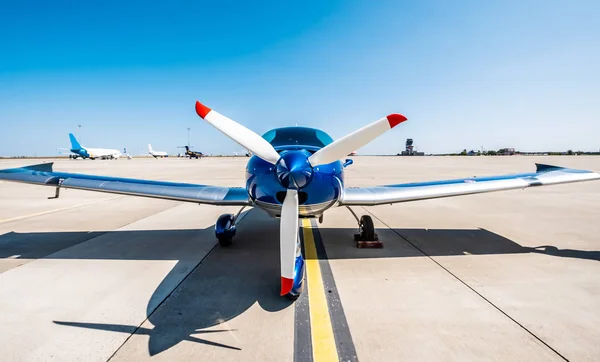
column 409, row 146
column 410, row 149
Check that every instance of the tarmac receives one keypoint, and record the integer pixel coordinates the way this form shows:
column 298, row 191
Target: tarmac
column 507, row 276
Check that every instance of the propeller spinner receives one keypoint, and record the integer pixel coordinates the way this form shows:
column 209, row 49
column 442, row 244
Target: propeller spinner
column 293, row 169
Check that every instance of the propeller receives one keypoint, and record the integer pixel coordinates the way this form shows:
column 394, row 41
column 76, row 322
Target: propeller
column 294, row 170
column 240, row 134
column 355, row 140
column 288, row 237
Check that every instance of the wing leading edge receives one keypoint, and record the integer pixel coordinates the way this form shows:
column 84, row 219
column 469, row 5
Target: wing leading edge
column 43, row 174
column 389, row 194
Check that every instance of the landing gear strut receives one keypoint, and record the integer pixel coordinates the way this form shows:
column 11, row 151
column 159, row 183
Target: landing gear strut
column 225, row 228
column 366, row 237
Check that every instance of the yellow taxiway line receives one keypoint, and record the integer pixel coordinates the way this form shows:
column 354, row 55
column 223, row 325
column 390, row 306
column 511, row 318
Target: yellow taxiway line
column 323, row 341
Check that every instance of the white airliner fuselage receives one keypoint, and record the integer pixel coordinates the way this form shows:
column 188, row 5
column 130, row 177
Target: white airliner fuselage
column 103, row 153
column 78, row 150
column 156, row 154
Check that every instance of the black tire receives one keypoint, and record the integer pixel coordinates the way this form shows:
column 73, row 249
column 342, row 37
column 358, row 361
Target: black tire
column 367, row 228
column 225, row 241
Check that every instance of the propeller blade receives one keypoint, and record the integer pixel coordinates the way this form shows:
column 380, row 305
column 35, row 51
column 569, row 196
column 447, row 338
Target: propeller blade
column 288, row 237
column 355, row 140
column 240, row 134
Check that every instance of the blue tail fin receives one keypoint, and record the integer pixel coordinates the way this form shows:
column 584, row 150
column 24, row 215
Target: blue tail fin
column 74, row 144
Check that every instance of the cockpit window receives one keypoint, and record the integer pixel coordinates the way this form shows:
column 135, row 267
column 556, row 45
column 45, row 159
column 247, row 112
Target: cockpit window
column 297, row 136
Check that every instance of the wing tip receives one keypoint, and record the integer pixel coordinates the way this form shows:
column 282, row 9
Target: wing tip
column 201, row 109
column 541, row 167
column 286, row 285
column 42, row 167
column 395, row 119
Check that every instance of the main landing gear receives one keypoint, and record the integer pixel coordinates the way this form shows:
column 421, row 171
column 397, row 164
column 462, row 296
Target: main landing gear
column 366, row 237
column 225, row 228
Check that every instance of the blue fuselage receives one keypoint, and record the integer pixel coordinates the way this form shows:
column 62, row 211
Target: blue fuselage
column 318, row 187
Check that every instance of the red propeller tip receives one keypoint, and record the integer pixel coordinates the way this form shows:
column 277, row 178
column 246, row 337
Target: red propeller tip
column 395, row 119
column 201, row 109
column 286, row 285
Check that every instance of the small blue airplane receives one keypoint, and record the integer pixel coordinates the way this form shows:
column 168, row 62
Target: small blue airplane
column 294, row 172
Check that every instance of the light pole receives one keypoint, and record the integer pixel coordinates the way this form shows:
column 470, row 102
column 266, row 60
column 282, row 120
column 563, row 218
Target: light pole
column 79, row 132
column 188, row 136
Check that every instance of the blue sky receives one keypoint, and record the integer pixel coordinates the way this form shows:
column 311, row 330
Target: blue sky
column 523, row 74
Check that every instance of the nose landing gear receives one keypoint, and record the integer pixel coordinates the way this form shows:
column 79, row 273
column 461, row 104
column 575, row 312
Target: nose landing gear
column 299, row 267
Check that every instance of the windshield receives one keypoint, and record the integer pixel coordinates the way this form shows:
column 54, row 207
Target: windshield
column 297, row 136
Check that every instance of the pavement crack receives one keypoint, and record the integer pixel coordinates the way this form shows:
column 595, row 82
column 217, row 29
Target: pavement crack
column 539, row 339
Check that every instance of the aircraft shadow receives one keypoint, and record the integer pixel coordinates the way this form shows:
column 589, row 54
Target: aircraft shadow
column 231, row 280
column 439, row 242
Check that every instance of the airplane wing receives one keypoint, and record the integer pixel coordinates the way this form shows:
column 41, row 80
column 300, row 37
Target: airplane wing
column 389, row 194
column 43, row 174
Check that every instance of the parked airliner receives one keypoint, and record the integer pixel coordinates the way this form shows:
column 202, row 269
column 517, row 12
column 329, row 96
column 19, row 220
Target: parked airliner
column 156, row 154
column 91, row 153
